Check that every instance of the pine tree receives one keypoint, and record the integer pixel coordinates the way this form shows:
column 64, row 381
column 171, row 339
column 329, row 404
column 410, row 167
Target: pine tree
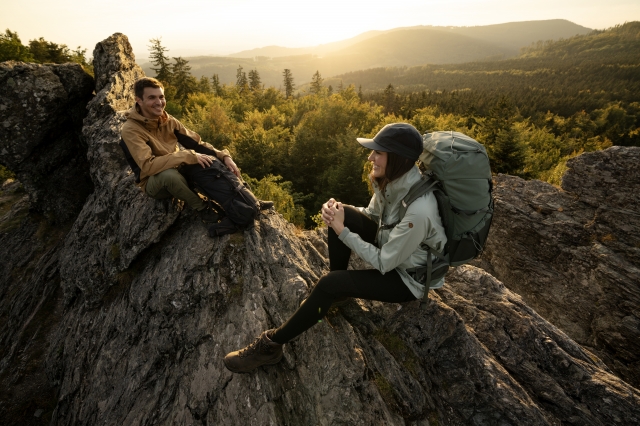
column 389, row 99
column 316, row 83
column 215, row 85
column 288, row 83
column 203, row 85
column 241, row 80
column 160, row 60
column 254, row 80
column 183, row 81
column 506, row 151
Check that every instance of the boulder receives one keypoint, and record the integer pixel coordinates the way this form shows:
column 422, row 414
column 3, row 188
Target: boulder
column 573, row 254
column 41, row 113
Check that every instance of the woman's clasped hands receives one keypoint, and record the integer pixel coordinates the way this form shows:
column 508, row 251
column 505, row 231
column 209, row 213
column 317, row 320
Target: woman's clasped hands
column 333, row 215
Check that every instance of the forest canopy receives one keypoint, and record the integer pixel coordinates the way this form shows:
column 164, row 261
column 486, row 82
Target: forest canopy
column 555, row 101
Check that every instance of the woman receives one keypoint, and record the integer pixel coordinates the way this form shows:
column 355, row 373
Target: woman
column 390, row 249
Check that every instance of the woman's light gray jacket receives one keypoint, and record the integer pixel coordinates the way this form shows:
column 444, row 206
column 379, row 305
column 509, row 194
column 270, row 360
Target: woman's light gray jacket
column 399, row 248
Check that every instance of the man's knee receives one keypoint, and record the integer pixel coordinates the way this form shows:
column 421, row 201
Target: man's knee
column 171, row 178
column 167, row 183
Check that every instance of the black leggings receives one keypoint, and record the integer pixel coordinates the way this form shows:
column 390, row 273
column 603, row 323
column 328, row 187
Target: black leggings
column 339, row 283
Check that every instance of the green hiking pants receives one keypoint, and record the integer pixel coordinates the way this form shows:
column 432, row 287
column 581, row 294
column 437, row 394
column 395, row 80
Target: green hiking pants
column 170, row 183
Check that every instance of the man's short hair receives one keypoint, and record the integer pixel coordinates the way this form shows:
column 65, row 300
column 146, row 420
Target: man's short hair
column 140, row 84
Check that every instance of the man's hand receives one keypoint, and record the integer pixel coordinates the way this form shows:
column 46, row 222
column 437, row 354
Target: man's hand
column 231, row 166
column 204, row 160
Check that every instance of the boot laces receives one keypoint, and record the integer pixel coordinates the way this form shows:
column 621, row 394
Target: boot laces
column 258, row 345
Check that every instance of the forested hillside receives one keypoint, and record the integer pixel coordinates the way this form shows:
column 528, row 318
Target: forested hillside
column 397, row 47
column 582, row 73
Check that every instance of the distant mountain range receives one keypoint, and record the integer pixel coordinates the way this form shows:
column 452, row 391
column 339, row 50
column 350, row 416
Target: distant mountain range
column 510, row 37
column 408, row 46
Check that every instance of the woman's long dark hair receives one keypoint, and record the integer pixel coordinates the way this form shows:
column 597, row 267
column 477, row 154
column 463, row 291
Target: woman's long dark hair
column 396, row 167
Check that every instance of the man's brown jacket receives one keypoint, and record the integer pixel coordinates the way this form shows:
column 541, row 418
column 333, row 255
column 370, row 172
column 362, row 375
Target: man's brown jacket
column 154, row 146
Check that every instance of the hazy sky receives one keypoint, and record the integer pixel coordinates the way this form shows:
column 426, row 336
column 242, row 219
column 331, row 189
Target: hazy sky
column 189, row 27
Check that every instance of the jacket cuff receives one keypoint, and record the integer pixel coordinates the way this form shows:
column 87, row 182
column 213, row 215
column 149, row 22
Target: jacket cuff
column 345, row 232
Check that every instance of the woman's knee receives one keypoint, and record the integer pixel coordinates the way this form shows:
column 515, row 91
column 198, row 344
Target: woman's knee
column 334, row 283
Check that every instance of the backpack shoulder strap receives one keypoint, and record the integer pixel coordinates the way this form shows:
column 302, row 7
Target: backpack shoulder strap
column 424, row 185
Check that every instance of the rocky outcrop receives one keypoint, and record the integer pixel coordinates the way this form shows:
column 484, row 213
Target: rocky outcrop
column 41, row 113
column 133, row 310
column 574, row 254
column 118, row 221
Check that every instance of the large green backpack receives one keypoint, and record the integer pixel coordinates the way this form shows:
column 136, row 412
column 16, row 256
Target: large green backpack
column 456, row 169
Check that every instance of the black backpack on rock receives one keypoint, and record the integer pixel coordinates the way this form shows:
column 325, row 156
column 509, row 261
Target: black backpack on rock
column 219, row 184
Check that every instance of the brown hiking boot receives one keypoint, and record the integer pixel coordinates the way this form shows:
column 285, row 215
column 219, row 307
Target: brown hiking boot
column 263, row 351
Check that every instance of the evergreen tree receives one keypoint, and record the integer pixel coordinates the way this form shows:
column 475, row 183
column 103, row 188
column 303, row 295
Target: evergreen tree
column 254, row 80
column 506, row 151
column 160, row 60
column 316, row 83
column 215, row 85
column 203, row 85
column 12, row 49
column 183, row 81
column 242, row 83
column 288, row 83
column 390, row 99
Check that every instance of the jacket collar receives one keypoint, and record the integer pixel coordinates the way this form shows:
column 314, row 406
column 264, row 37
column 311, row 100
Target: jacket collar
column 149, row 123
column 397, row 189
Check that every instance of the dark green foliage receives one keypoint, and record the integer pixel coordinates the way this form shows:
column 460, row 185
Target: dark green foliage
column 40, row 51
column 254, row 80
column 48, row 52
column 204, row 86
column 316, row 83
column 288, row 83
column 215, row 85
column 496, row 132
column 242, row 84
column 182, row 80
column 12, row 49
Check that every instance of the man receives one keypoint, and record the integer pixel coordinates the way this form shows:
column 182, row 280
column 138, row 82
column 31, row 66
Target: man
column 151, row 138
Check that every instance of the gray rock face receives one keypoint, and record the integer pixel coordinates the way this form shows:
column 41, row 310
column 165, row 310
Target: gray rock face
column 574, row 255
column 118, row 221
column 41, row 112
column 143, row 305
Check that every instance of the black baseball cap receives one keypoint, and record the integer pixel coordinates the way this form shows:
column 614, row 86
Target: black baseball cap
column 400, row 138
